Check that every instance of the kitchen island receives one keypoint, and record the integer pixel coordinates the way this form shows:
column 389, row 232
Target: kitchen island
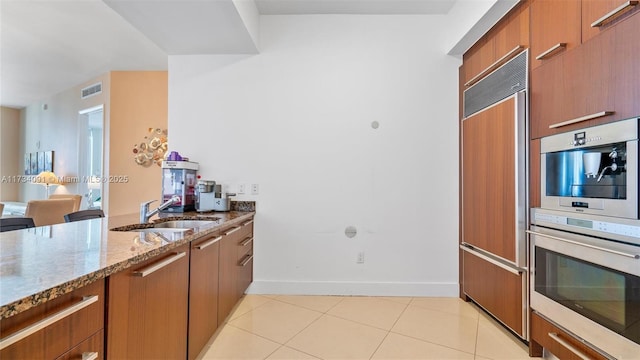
column 40, row 266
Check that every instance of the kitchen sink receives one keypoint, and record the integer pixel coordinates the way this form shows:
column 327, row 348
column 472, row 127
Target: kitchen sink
column 188, row 224
column 167, row 226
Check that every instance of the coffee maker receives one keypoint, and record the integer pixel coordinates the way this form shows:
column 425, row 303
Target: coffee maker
column 205, row 195
column 179, row 178
column 209, row 197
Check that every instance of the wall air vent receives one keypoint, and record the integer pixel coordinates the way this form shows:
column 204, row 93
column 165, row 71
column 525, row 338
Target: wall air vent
column 505, row 81
column 91, row 90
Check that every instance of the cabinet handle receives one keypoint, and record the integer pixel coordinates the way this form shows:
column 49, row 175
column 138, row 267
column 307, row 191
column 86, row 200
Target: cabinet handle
column 13, row 338
column 248, row 223
column 582, row 118
column 551, row 49
column 614, row 13
column 157, row 266
column 513, row 52
column 492, row 261
column 208, row 243
column 246, row 260
column 568, row 346
column 246, row 241
column 89, row 355
column 232, row 230
column 572, row 242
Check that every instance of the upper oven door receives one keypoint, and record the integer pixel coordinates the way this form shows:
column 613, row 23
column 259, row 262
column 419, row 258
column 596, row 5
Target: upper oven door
column 592, row 171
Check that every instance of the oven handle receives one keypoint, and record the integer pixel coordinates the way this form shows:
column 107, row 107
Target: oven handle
column 633, row 256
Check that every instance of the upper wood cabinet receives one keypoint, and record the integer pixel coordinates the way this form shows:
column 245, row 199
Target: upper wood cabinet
column 606, row 12
column 500, row 44
column 555, row 27
column 593, row 84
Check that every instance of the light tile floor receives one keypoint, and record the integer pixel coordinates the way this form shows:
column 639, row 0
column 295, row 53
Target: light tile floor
column 345, row 327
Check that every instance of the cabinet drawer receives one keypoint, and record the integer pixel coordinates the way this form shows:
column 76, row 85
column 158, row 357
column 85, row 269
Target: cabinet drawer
column 502, row 296
column 90, row 349
column 67, row 320
column 558, row 342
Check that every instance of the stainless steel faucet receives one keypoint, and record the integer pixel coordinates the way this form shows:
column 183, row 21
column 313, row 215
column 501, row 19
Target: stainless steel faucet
column 145, row 214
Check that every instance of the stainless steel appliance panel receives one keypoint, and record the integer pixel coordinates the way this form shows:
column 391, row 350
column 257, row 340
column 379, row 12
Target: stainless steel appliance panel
column 592, row 171
column 590, row 286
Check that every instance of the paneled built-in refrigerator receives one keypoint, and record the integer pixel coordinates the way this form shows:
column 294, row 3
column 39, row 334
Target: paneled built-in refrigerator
column 494, row 194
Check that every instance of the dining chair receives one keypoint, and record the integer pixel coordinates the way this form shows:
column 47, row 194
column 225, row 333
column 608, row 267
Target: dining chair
column 84, row 215
column 76, row 199
column 50, row 211
column 15, row 223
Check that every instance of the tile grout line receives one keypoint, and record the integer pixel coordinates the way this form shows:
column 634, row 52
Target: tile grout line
column 389, row 331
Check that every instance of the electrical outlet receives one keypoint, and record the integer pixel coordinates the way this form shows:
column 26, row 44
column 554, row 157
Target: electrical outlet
column 241, row 189
column 360, row 259
column 254, row 189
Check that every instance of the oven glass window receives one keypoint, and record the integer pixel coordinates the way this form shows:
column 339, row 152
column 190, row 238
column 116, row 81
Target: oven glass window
column 606, row 296
column 597, row 172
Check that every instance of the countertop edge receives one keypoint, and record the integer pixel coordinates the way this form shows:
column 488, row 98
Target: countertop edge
column 26, row 303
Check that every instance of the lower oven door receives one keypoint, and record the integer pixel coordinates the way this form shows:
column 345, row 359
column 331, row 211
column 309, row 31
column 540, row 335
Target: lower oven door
column 589, row 286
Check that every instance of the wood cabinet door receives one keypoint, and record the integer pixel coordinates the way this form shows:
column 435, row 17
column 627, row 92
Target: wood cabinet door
column 91, row 348
column 575, row 90
column 245, row 259
column 554, row 23
column 497, row 290
column 478, row 58
column 488, row 180
column 512, row 32
column 86, row 319
column 495, row 47
column 593, row 10
column 147, row 311
column 203, row 293
column 555, row 340
column 227, row 293
column 626, row 71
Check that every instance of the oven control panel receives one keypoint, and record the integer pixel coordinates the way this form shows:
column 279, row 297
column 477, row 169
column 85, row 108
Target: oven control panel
column 597, row 225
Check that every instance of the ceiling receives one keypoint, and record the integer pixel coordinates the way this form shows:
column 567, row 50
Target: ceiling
column 48, row 46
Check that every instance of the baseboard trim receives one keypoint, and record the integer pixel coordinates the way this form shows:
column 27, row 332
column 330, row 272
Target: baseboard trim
column 353, row 288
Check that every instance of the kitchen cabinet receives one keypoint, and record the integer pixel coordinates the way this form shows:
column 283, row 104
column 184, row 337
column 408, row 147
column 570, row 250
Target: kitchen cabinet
column 560, row 343
column 575, row 90
column 71, row 322
column 614, row 10
column 496, row 289
column 203, row 292
column 626, row 72
column 236, row 266
column 88, row 349
column 500, row 44
column 555, row 28
column 147, row 308
column 595, row 83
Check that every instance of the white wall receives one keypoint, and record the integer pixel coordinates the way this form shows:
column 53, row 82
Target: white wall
column 296, row 119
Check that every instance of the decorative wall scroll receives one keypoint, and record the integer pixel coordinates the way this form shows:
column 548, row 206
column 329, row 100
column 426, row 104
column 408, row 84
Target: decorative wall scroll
column 152, row 149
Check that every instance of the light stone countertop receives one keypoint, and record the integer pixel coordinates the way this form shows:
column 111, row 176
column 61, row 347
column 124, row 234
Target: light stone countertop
column 43, row 263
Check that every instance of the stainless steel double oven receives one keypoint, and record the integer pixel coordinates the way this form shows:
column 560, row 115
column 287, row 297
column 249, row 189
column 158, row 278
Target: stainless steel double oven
column 585, row 238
